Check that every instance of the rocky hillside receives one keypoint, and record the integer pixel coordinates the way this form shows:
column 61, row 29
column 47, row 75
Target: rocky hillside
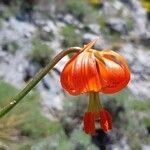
column 33, row 32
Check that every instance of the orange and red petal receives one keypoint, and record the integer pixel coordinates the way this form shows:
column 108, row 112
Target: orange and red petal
column 95, row 71
column 115, row 74
column 66, row 77
column 80, row 74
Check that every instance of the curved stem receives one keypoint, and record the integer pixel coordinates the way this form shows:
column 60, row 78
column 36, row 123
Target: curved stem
column 32, row 83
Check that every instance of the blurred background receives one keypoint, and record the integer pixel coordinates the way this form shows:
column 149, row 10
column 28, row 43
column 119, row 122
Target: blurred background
column 32, row 32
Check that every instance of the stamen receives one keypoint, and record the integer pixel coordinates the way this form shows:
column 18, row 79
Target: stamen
column 89, row 123
column 105, row 120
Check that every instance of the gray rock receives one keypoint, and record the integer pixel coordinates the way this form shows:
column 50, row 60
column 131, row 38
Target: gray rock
column 145, row 147
column 139, row 63
column 117, row 25
column 50, row 26
column 95, row 28
column 12, row 68
column 69, row 19
column 123, row 145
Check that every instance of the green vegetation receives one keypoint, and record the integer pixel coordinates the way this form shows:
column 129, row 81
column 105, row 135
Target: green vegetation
column 44, row 35
column 130, row 23
column 40, row 51
column 78, row 8
column 8, row 12
column 82, row 10
column 11, row 46
column 71, row 37
column 102, row 22
column 26, row 120
column 127, row 118
column 140, row 105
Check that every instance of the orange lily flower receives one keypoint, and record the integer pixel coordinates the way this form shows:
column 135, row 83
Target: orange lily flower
column 92, row 71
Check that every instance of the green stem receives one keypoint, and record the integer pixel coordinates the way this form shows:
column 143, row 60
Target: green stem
column 32, row 83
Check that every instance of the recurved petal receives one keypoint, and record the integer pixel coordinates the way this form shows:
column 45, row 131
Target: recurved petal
column 115, row 74
column 85, row 75
column 89, row 45
column 118, row 59
column 80, row 74
column 66, row 77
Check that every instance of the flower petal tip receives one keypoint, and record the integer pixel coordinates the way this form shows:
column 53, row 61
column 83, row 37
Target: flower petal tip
column 90, row 44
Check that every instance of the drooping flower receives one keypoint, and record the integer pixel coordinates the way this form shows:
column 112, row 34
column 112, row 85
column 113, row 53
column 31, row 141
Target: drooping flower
column 92, row 71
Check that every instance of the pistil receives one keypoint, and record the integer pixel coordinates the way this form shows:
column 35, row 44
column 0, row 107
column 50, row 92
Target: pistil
column 94, row 103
